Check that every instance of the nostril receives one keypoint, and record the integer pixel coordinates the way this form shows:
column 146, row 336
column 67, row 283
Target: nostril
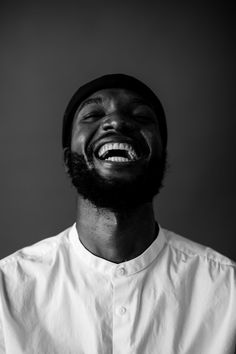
column 108, row 124
column 116, row 122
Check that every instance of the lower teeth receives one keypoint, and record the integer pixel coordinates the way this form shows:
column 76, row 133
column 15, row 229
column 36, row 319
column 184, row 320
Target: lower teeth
column 117, row 159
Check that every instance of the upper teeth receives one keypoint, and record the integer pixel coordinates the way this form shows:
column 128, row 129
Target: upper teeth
column 118, row 146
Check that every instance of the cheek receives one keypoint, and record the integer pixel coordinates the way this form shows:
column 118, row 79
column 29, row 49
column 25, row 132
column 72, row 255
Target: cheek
column 154, row 140
column 78, row 140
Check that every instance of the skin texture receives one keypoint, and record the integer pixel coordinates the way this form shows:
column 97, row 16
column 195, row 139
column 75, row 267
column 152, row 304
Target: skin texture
column 116, row 115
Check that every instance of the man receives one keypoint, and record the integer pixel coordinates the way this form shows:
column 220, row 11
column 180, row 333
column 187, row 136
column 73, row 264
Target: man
column 116, row 282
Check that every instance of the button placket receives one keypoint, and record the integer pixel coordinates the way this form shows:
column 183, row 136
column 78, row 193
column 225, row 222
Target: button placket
column 120, row 280
column 121, row 313
column 120, row 309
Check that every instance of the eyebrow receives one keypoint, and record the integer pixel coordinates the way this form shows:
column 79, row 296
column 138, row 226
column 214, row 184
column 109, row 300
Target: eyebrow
column 141, row 101
column 96, row 100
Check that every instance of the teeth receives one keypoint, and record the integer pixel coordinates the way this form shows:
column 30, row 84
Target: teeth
column 118, row 146
column 117, row 159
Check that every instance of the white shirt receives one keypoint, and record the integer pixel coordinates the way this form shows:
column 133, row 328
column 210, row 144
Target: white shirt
column 178, row 297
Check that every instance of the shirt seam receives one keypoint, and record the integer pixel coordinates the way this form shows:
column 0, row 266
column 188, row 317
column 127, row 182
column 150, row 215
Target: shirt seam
column 193, row 254
column 17, row 255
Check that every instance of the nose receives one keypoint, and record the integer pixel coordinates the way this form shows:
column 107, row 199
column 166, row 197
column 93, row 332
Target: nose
column 117, row 121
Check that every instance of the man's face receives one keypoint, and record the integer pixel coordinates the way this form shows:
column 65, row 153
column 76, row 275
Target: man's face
column 116, row 150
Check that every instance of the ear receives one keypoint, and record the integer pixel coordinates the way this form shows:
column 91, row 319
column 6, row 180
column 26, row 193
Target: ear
column 66, row 152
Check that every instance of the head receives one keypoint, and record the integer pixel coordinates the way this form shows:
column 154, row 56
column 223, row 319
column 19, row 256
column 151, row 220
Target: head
column 114, row 140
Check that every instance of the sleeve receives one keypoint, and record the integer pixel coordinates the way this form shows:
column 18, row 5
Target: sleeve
column 2, row 344
column 2, row 340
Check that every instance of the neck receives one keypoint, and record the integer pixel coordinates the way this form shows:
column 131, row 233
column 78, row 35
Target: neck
column 116, row 236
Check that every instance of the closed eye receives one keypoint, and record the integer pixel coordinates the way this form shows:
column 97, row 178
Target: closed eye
column 144, row 117
column 92, row 116
column 144, row 114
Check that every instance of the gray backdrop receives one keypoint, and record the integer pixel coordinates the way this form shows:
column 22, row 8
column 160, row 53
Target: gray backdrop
column 186, row 53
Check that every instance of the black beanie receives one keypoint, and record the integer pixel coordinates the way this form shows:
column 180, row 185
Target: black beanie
column 112, row 81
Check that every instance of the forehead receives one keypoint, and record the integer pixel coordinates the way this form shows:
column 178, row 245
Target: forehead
column 115, row 95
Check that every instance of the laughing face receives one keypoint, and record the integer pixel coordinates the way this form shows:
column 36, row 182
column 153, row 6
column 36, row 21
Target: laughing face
column 116, row 158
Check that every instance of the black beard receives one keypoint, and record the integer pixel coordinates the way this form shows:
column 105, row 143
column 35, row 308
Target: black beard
column 115, row 194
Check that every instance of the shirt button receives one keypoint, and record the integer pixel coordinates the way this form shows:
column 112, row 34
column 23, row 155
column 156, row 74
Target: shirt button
column 121, row 271
column 122, row 310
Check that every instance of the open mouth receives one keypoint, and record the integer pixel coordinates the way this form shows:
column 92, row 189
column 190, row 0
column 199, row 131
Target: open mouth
column 118, row 152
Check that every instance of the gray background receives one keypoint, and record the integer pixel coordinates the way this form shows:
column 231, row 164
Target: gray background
column 185, row 52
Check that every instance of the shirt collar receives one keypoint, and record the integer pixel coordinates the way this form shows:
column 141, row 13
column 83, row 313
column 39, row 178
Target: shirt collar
column 128, row 267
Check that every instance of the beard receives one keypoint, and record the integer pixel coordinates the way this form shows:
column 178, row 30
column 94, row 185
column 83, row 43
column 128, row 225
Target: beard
column 111, row 193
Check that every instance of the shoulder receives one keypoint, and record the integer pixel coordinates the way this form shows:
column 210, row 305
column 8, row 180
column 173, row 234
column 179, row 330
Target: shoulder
column 201, row 269
column 38, row 253
column 191, row 250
